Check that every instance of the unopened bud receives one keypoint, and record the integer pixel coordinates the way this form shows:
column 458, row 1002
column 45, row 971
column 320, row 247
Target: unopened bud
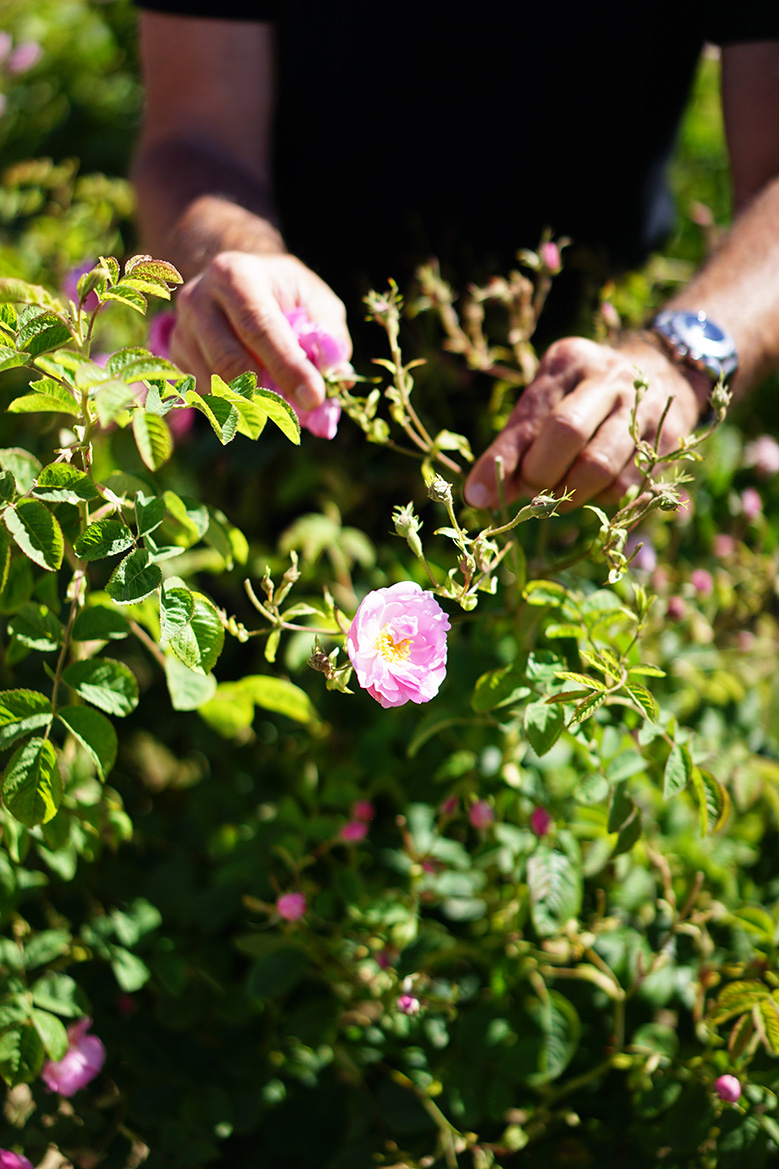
column 439, row 490
column 728, row 1088
column 408, row 525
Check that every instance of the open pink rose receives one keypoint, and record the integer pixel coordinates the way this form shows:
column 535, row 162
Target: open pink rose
column 327, row 353
column 9, row 1160
column 397, row 644
column 80, row 1064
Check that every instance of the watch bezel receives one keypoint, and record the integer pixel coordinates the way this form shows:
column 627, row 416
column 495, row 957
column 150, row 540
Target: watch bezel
column 684, row 333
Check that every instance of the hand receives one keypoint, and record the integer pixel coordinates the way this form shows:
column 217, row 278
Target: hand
column 230, row 319
column 571, row 427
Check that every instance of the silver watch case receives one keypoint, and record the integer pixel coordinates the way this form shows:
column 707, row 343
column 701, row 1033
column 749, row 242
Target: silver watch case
column 696, row 341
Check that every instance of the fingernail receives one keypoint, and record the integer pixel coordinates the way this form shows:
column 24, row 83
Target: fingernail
column 477, row 495
column 305, row 398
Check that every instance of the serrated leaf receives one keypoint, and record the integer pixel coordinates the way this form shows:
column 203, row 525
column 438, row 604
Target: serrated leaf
column 127, row 296
column 560, row 1026
column 221, row 414
column 188, row 690
column 737, row 997
column 587, row 708
column 252, row 419
column 555, row 890
column 130, row 971
column 52, row 1032
column 21, row 1054
column 146, row 285
column 35, row 530
column 545, row 592
column 111, row 399
column 582, row 679
column 280, row 696
column 149, row 513
column 36, row 627
column 45, row 396
column 134, row 365
column 10, row 359
column 7, row 487
column 32, row 786
column 678, row 771
column 41, row 331
column 643, row 699
column 22, row 711
column 740, row 1035
column 190, row 518
column 95, row 734
column 62, row 483
column 134, row 579
column 621, row 808
column 148, row 266
column 24, row 467
column 561, row 629
column 59, row 993
column 766, row 1019
column 543, row 725
column 106, row 683
column 153, row 439
column 99, row 624
column 498, row 688
column 103, row 538
column 20, row 292
column 629, row 834
column 279, row 412
column 713, row 801
column 649, row 671
column 198, row 643
column 604, row 661
column 177, row 608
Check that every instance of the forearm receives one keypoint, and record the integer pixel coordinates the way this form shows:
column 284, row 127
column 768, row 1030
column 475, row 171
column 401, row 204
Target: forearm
column 192, row 205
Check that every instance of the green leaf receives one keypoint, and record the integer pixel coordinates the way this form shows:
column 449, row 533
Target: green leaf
column 621, row 808
column 20, row 292
column 59, row 993
column 629, row 834
column 35, row 530
column 545, row 592
column 740, row 1035
column 252, row 419
column 582, row 679
column 198, row 643
column 22, row 711
column 280, row 696
column 62, row 483
column 555, row 890
column 153, row 439
column 738, row 997
column 7, row 487
column 188, row 517
column 94, row 732
column 767, row 1019
column 103, row 538
column 111, row 399
column 177, row 608
column 188, row 690
column 543, row 725
column 129, row 970
column 156, row 269
column 559, row 1023
column 52, row 1032
column 128, row 296
column 587, row 708
column 149, row 513
column 643, row 700
column 221, row 414
column 45, row 946
column 100, row 624
column 649, row 671
column 230, row 711
column 678, row 771
column 32, row 786
column 134, row 579
column 41, row 331
column 713, row 801
column 279, row 412
column 500, row 688
column 278, row 971
column 37, row 628
column 24, row 467
column 21, row 1055
column 107, row 684
column 43, row 397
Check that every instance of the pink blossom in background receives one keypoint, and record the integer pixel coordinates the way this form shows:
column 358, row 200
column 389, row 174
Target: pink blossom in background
column 397, row 644
column 481, row 814
column 291, row 906
column 353, row 831
column 540, row 821
column 80, row 1064
column 9, row 1160
column 763, row 455
column 728, row 1088
column 745, row 641
column 408, row 1004
column 751, row 503
column 70, row 287
column 550, row 255
column 329, row 355
column 160, row 329
column 386, row 958
column 676, row 608
column 611, row 317
column 724, row 546
column 24, row 56
column 702, row 581
column 684, row 511
column 646, row 557
column 450, row 806
column 363, row 810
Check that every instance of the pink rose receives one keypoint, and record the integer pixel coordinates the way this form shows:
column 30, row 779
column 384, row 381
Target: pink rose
column 160, row 329
column 24, row 56
column 724, row 546
column 449, row 806
column 702, row 581
column 80, row 1064
column 540, row 821
column 728, row 1088
column 397, row 644
column 550, row 256
column 763, row 455
column 353, row 831
column 751, row 504
column 328, row 354
column 291, row 906
column 363, row 810
column 9, row 1160
column 481, row 814
column 676, row 608
column 408, row 1004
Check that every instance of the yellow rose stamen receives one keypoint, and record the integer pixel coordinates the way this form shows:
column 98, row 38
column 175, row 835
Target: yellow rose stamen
column 391, row 650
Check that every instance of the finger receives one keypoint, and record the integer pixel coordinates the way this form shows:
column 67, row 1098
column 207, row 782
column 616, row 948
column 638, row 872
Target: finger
column 567, row 430
column 604, row 466
column 211, row 347
column 561, row 369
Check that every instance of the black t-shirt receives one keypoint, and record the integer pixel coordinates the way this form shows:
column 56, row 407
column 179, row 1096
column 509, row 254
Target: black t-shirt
column 411, row 131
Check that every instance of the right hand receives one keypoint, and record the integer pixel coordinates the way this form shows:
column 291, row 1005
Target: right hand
column 230, row 320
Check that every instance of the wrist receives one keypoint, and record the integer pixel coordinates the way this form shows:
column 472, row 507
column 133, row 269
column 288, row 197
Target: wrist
column 656, row 360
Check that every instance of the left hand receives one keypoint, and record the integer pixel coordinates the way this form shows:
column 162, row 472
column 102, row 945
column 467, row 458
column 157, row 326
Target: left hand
column 571, row 426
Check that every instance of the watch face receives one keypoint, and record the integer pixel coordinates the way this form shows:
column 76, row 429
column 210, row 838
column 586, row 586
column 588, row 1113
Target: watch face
column 701, row 335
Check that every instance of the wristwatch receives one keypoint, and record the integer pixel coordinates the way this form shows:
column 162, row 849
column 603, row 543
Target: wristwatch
column 694, row 340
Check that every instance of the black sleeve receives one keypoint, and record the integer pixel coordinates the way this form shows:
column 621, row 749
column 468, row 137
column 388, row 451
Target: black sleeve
column 224, row 10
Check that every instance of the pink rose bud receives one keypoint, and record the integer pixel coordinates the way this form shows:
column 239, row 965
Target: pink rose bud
column 408, row 1004
column 724, row 546
column 763, row 455
column 386, row 958
column 540, row 821
column 450, row 806
column 80, row 1064
column 702, row 581
column 24, row 56
column 676, row 608
column 431, row 866
column 291, row 906
column 481, row 814
column 9, row 1160
column 363, row 810
column 728, row 1088
column 353, row 831
column 751, row 504
column 397, row 644
column 550, row 256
